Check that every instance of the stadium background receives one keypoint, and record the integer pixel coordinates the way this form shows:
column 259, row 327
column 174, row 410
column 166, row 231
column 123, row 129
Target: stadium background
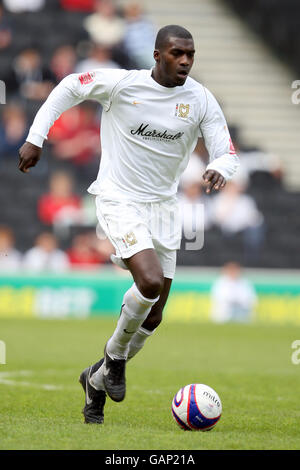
column 247, row 56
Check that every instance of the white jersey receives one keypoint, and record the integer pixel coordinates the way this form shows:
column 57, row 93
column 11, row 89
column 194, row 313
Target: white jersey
column 148, row 131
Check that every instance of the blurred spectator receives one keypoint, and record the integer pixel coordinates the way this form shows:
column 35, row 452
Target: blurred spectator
column 19, row 6
column 255, row 160
column 75, row 136
column 104, row 26
column 60, row 204
column 139, row 36
column 63, row 62
column 5, row 30
column 235, row 212
column 192, row 200
column 194, row 171
column 78, row 5
column 241, row 177
column 13, row 130
column 99, row 57
column 89, row 216
column 87, row 252
column 10, row 258
column 233, row 297
column 28, row 77
column 45, row 256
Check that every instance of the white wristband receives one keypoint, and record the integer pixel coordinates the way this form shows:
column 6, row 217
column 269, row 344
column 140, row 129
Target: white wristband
column 35, row 139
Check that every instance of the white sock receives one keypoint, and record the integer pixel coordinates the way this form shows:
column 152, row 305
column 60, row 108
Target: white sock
column 96, row 380
column 136, row 344
column 135, row 310
column 138, row 340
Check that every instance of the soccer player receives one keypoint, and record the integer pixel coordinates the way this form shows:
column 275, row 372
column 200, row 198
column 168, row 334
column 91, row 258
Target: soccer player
column 151, row 121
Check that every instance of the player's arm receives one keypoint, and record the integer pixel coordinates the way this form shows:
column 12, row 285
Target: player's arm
column 223, row 159
column 65, row 95
column 71, row 91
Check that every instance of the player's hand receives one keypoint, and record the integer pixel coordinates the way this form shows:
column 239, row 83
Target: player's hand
column 213, row 180
column 29, row 156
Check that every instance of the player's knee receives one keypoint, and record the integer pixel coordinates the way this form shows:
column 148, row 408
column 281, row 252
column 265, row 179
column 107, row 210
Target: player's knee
column 151, row 285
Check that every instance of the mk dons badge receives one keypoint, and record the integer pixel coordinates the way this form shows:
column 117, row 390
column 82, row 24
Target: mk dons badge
column 130, row 238
column 182, row 110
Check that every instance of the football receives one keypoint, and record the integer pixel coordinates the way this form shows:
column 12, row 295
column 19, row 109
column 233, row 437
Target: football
column 196, row 407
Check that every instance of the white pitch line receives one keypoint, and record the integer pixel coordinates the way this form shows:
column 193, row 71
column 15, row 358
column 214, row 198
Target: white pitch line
column 16, row 383
column 5, row 380
column 22, row 373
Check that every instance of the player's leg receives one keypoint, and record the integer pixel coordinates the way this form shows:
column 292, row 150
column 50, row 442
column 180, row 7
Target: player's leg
column 126, row 226
column 151, row 323
column 93, row 410
column 167, row 258
column 165, row 223
column 142, row 334
column 137, row 303
column 92, row 378
column 155, row 316
column 148, row 275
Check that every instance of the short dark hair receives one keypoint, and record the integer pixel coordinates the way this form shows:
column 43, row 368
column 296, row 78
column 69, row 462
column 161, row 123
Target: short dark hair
column 171, row 30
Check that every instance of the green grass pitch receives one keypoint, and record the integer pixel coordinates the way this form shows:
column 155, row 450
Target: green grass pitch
column 249, row 366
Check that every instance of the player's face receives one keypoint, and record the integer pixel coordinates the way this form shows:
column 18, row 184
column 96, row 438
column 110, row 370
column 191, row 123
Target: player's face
column 175, row 61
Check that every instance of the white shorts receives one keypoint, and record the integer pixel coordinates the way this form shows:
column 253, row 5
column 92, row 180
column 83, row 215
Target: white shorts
column 135, row 226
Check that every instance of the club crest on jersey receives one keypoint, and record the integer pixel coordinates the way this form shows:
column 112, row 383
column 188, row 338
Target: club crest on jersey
column 182, row 110
column 86, row 78
column 129, row 239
